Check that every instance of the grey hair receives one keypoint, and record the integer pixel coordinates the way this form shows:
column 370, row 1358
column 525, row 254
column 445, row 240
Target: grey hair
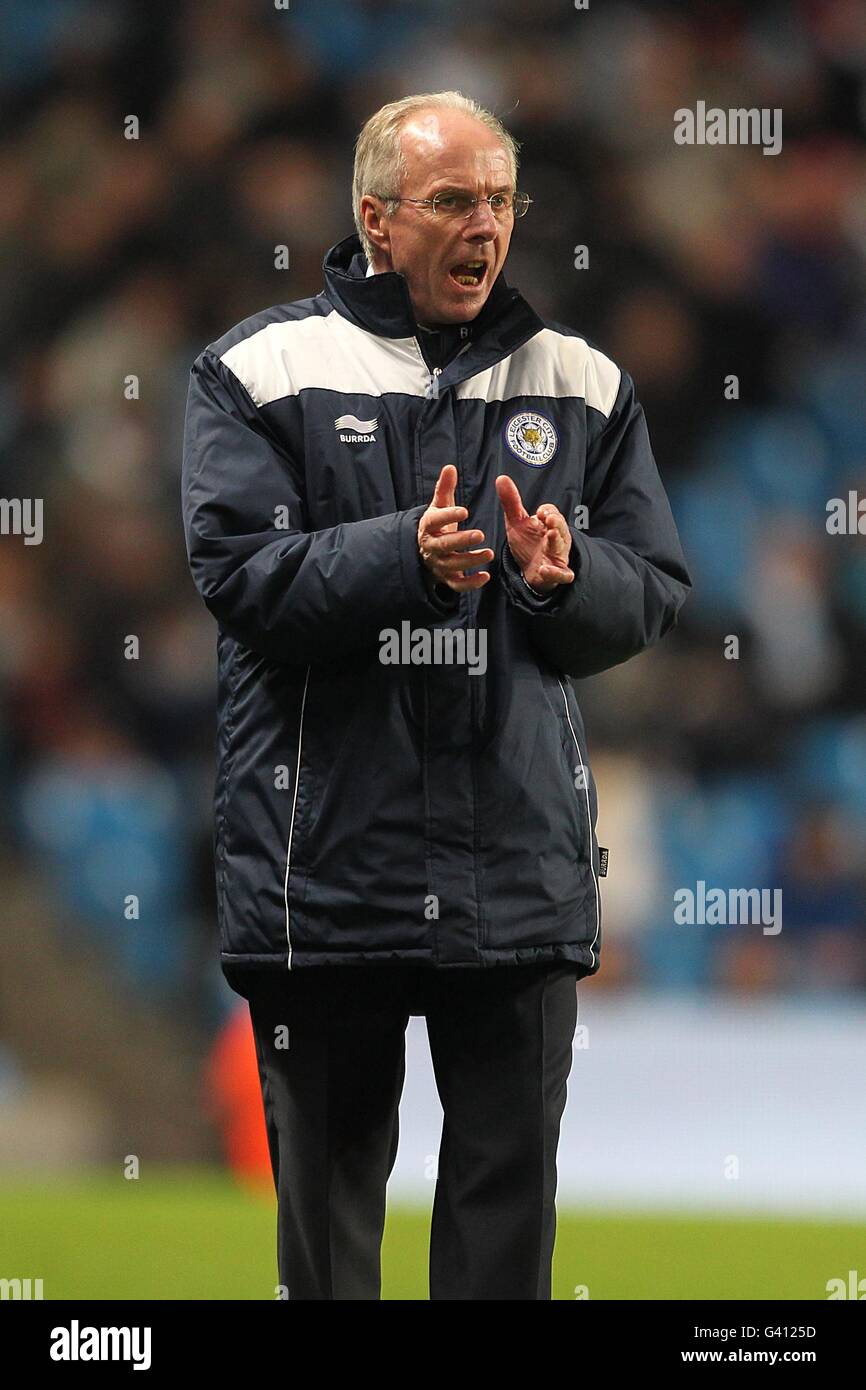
column 380, row 165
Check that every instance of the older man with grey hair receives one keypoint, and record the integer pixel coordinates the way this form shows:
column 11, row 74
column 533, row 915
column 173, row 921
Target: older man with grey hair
column 415, row 451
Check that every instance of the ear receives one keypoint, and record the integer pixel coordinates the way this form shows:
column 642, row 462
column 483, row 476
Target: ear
column 376, row 224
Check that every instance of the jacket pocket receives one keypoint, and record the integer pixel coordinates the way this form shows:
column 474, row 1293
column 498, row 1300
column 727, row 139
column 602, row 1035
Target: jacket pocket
column 563, row 705
column 584, row 782
column 301, row 804
column 534, row 833
column 358, row 864
column 588, row 794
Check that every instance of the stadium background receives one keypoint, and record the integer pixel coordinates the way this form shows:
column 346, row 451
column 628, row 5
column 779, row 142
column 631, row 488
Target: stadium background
column 715, row 1135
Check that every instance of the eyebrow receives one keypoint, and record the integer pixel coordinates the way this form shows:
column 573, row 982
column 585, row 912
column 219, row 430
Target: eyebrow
column 457, row 188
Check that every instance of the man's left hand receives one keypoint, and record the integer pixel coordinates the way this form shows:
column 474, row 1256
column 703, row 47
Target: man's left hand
column 541, row 543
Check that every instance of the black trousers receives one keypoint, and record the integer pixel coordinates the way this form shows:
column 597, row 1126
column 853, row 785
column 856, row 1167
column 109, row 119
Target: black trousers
column 330, row 1043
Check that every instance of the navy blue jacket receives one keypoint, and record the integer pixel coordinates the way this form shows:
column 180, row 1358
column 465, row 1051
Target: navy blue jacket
column 368, row 810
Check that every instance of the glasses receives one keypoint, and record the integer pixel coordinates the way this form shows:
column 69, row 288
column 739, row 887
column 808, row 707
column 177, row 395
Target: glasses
column 458, row 206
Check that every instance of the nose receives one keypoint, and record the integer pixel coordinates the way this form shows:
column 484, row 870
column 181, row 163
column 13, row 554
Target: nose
column 481, row 225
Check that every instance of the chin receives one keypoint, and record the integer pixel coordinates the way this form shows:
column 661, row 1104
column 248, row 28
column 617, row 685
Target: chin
column 462, row 313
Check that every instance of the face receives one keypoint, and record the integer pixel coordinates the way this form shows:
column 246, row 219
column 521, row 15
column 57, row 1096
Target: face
column 444, row 151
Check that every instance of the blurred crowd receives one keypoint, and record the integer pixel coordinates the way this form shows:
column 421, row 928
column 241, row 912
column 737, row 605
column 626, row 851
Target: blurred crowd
column 740, row 763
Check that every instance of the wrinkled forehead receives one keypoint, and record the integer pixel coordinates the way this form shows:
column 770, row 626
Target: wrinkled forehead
column 449, row 145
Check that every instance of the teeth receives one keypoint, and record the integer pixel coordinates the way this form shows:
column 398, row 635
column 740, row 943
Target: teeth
column 476, row 266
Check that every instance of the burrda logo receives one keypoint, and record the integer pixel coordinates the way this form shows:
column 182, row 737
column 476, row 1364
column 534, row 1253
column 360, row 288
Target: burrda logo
column 357, row 431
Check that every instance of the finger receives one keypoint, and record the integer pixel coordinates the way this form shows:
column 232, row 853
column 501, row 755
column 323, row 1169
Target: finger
column 436, row 517
column 553, row 543
column 454, row 541
column 472, row 581
column 553, row 574
column 453, row 564
column 443, row 493
column 552, row 516
column 512, row 504
column 467, row 559
column 554, row 521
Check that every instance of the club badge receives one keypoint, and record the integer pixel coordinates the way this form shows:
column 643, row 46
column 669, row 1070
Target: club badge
column 531, row 438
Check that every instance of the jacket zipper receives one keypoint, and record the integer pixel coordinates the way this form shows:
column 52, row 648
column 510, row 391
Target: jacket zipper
column 583, row 769
column 432, row 391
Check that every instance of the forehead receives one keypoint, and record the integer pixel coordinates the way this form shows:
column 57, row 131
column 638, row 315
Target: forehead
column 441, row 145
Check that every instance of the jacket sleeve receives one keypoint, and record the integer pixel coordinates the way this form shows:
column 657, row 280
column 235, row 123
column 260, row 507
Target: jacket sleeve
column 293, row 594
column 630, row 573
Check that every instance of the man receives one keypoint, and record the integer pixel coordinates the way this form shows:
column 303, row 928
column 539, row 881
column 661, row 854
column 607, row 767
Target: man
column 407, row 825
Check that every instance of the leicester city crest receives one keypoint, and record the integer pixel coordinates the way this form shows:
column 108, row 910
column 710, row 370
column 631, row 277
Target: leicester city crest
column 531, row 438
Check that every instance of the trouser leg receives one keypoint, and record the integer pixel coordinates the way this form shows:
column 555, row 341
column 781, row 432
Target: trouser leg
column 501, row 1043
column 331, row 1102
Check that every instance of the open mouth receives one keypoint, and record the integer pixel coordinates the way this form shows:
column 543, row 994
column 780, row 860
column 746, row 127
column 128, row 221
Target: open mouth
column 469, row 273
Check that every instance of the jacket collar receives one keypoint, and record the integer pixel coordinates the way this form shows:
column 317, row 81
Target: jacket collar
column 381, row 304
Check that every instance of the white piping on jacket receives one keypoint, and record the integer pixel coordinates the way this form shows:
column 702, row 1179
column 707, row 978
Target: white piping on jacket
column 588, row 822
column 292, row 821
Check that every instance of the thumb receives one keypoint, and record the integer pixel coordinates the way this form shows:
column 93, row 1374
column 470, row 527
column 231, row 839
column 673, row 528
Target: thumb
column 443, row 493
column 512, row 505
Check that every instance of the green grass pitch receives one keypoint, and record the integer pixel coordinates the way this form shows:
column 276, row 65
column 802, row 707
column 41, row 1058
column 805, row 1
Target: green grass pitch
column 194, row 1234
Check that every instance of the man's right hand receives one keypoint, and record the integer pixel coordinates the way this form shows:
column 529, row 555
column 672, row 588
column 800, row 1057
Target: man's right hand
column 444, row 550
